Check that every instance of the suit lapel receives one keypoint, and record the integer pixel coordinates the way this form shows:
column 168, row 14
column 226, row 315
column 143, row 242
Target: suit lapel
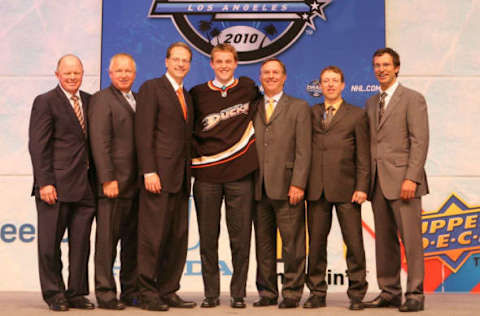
column 172, row 95
column 278, row 108
column 391, row 106
column 68, row 110
column 341, row 112
column 123, row 102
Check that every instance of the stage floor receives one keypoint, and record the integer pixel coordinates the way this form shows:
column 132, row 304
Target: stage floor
column 30, row 303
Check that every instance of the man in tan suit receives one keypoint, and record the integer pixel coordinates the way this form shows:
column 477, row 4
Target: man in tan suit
column 283, row 130
column 399, row 144
column 340, row 176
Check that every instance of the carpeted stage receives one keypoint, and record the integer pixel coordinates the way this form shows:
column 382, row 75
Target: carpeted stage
column 31, row 304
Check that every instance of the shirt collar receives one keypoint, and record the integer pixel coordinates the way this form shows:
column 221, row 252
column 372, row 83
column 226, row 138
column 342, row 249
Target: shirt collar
column 174, row 84
column 69, row 95
column 335, row 105
column 220, row 85
column 276, row 97
column 391, row 89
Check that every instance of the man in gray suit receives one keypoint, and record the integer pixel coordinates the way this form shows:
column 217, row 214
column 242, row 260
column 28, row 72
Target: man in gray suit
column 283, row 131
column 399, row 144
column 340, row 176
column 112, row 139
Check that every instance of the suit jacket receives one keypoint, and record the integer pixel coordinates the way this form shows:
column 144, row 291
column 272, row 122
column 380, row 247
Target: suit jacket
column 112, row 140
column 283, row 147
column 58, row 147
column 340, row 154
column 399, row 143
column 163, row 136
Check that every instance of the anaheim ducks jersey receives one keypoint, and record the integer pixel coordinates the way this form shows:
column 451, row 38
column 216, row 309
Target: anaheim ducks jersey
column 224, row 137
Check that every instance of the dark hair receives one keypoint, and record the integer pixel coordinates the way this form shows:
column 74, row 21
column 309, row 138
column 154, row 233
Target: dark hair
column 387, row 50
column 334, row 69
column 179, row 44
column 224, row 48
column 278, row 61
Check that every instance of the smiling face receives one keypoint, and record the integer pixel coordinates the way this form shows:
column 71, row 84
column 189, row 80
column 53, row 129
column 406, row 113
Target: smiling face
column 70, row 73
column 272, row 77
column 178, row 63
column 122, row 73
column 332, row 86
column 223, row 64
column 385, row 70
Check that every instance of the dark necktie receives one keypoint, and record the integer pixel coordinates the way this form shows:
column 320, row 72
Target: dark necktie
column 328, row 116
column 381, row 106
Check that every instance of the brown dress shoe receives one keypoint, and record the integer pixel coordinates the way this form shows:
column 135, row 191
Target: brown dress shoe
column 173, row 300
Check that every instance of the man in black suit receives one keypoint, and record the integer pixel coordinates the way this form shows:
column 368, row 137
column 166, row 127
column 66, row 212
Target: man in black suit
column 163, row 131
column 339, row 177
column 111, row 117
column 63, row 178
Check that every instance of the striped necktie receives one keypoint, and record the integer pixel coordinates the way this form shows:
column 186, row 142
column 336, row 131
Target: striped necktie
column 78, row 112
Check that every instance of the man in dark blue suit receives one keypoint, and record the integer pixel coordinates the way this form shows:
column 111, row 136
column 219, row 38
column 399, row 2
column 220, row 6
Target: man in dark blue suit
column 63, row 174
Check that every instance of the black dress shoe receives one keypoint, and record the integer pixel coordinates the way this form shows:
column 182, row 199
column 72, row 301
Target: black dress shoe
column 80, row 302
column 315, row 301
column 210, row 302
column 59, row 304
column 265, row 301
column 411, row 305
column 154, row 305
column 379, row 301
column 356, row 305
column 112, row 304
column 288, row 303
column 237, row 302
column 132, row 300
column 173, row 300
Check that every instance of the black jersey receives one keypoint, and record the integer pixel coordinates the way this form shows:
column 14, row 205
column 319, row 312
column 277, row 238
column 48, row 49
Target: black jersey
column 224, row 137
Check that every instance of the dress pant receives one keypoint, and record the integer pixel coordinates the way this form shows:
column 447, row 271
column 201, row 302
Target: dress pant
column 116, row 221
column 290, row 221
column 238, row 204
column 53, row 221
column 162, row 242
column 319, row 223
column 391, row 217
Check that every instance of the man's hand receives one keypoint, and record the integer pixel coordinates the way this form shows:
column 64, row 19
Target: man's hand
column 48, row 194
column 152, row 183
column 295, row 194
column 359, row 197
column 110, row 189
column 408, row 189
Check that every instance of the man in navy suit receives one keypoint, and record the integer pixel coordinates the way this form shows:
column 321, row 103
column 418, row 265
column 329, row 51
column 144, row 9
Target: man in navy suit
column 63, row 177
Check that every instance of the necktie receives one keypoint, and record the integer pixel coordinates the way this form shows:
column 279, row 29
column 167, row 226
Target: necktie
column 181, row 99
column 78, row 113
column 270, row 108
column 381, row 106
column 131, row 100
column 328, row 116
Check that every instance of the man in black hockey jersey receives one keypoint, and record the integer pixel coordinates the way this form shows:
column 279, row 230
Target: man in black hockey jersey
column 223, row 163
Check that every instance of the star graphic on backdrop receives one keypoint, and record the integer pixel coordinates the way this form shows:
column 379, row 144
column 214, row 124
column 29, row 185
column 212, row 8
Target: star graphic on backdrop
column 316, row 9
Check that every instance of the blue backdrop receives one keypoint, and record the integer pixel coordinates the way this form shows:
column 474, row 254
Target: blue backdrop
column 346, row 36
